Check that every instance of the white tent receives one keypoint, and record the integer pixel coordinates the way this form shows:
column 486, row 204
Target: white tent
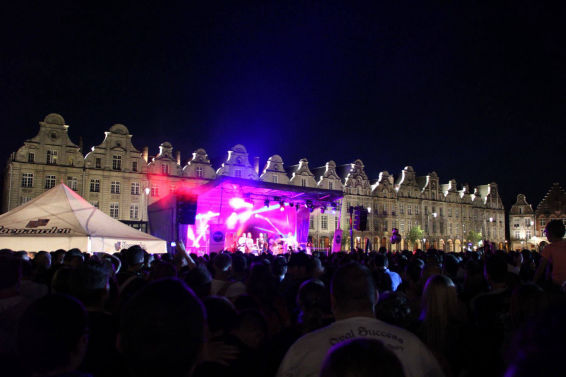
column 61, row 219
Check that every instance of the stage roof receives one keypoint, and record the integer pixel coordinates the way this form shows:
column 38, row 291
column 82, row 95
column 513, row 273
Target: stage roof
column 268, row 190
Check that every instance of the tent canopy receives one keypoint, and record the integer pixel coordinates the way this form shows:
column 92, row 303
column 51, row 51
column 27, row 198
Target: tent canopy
column 61, row 219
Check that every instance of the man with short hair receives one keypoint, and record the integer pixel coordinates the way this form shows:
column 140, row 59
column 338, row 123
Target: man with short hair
column 554, row 254
column 353, row 297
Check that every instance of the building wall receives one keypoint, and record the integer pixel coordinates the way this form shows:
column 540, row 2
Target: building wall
column 444, row 212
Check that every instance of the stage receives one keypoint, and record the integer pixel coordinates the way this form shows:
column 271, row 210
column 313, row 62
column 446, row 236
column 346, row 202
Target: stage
column 240, row 214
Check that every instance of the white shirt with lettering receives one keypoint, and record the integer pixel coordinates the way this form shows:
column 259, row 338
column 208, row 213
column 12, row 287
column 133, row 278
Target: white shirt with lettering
column 306, row 355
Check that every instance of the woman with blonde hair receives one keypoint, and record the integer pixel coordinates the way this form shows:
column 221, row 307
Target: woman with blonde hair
column 442, row 327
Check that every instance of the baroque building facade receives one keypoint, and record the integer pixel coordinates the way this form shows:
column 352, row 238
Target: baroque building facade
column 521, row 224
column 122, row 181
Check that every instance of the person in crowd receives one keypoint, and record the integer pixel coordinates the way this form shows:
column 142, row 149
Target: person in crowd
column 162, row 330
column 90, row 284
column 222, row 282
column 279, row 268
column 53, row 337
column 134, row 261
column 382, row 265
column 395, row 309
column 554, row 255
column 200, row 281
column 442, row 324
column 354, row 296
column 313, row 302
column 362, row 357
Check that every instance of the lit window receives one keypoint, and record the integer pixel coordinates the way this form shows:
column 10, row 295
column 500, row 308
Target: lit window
column 529, row 234
column 330, row 186
column 274, row 179
column 154, row 190
column 114, row 210
column 49, row 181
column 27, row 180
column 115, row 187
column 324, row 222
column 116, row 162
column 72, row 182
column 52, row 157
column 135, row 188
column 200, row 172
column 134, row 211
column 95, row 185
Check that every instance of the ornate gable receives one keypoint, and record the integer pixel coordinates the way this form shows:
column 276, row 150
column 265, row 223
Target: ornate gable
column 199, row 166
column 237, row 164
column 274, row 171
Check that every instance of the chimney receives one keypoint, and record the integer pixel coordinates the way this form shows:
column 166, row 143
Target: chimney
column 256, row 165
column 145, row 153
column 178, row 155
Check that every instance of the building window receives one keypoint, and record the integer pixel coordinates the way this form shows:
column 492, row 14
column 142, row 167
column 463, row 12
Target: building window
column 401, row 208
column 94, row 203
column 450, row 228
column 134, row 166
column 426, row 210
column 238, row 173
column 330, row 186
column 135, row 188
column 385, row 208
column 49, row 181
column 527, row 222
column 116, row 162
column 542, row 223
column 200, row 172
column 416, row 210
column 274, row 178
column 24, row 199
column 441, row 211
column 529, row 234
column 115, row 187
column 324, row 222
column 517, row 234
column 311, row 222
column 521, row 210
column 409, row 209
column 402, row 227
column 73, row 183
column 114, row 210
column 98, row 163
column 303, row 182
column 385, row 227
column 164, row 169
column 154, row 190
column 31, row 157
column 27, row 180
column 449, row 212
column 95, row 185
column 52, row 157
column 134, row 211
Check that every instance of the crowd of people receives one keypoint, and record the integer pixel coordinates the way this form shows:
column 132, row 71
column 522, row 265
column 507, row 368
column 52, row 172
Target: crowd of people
column 380, row 313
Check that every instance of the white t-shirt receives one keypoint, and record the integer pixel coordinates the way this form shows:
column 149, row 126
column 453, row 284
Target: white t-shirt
column 234, row 289
column 306, row 355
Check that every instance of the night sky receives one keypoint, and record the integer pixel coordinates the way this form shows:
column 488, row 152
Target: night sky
column 474, row 90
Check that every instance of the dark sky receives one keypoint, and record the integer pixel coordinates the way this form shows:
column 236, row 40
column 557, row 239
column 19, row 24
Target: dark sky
column 474, row 90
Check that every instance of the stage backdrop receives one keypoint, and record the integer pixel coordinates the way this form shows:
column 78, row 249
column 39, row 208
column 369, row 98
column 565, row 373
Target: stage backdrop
column 227, row 208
